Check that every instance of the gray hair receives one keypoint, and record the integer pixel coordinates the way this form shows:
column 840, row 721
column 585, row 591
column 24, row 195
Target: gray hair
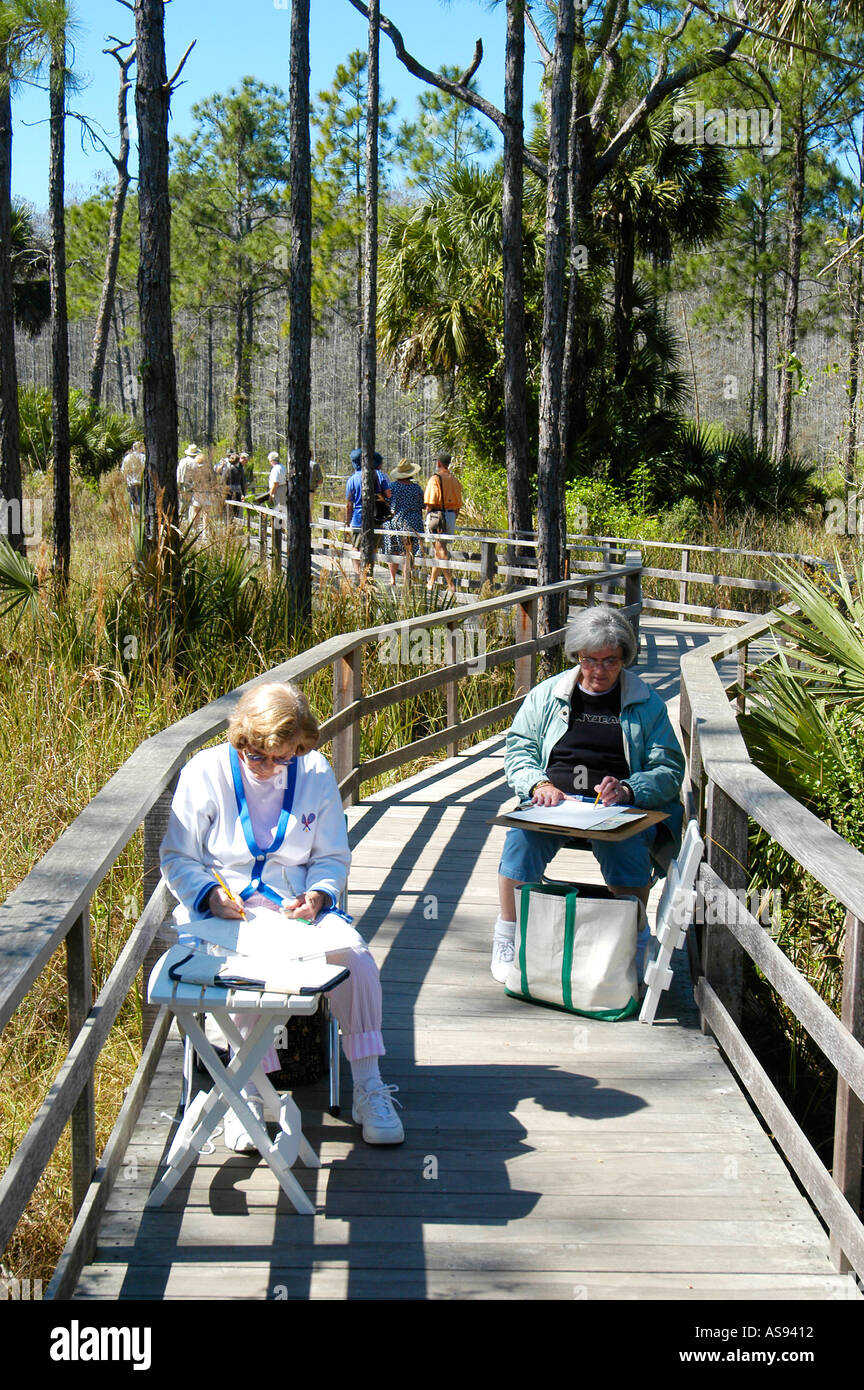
column 599, row 627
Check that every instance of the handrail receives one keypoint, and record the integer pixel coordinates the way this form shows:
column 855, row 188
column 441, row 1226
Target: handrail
column 733, row 792
column 52, row 903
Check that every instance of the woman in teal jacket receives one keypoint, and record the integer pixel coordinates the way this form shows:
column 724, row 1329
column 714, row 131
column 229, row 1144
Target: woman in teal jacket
column 598, row 730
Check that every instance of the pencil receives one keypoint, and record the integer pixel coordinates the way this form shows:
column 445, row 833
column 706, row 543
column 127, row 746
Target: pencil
column 224, row 885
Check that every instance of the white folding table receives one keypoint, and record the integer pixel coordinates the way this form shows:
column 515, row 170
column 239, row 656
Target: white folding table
column 207, row 1109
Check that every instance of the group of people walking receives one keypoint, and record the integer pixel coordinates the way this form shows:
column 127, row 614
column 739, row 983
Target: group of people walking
column 403, row 506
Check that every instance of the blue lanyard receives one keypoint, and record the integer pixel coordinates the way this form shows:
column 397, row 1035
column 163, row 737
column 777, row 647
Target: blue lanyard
column 255, row 884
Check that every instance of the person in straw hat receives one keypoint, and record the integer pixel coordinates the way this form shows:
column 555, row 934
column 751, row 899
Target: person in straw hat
column 406, row 503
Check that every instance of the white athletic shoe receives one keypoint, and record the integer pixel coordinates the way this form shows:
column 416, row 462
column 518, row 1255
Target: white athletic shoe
column 503, row 951
column 373, row 1109
column 235, row 1135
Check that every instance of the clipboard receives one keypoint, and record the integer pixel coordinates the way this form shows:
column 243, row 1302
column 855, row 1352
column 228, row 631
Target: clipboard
column 641, row 820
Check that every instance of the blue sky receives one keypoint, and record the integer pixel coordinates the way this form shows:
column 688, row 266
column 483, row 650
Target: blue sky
column 236, row 38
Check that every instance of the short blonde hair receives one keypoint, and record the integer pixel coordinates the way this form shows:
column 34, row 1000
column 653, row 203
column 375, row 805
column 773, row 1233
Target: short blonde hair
column 269, row 716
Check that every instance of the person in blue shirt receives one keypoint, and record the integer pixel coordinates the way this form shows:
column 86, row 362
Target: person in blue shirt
column 354, row 497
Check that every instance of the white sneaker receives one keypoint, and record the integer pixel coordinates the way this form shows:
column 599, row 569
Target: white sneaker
column 235, row 1135
column 373, row 1109
column 503, row 951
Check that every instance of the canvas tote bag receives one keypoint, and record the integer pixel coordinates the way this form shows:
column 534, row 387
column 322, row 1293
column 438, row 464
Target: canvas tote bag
column 575, row 949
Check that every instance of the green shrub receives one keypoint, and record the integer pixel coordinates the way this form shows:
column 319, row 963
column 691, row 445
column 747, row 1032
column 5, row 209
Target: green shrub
column 99, row 437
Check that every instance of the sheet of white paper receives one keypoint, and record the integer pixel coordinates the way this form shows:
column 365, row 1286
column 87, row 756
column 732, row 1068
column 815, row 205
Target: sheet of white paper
column 575, row 815
column 270, row 934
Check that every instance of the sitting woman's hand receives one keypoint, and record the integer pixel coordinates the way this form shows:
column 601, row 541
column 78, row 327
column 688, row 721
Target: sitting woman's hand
column 221, row 905
column 612, row 792
column 307, row 905
column 546, row 794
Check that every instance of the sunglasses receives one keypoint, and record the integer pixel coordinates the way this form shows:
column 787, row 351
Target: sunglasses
column 253, row 757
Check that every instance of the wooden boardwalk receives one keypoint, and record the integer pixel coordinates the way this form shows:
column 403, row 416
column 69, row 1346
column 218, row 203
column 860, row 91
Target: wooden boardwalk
column 546, row 1156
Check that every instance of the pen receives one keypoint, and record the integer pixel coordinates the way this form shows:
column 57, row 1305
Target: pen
column 224, row 885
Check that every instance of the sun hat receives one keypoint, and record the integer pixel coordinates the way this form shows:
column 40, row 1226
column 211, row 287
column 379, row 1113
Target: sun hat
column 273, row 457
column 404, row 469
column 193, row 451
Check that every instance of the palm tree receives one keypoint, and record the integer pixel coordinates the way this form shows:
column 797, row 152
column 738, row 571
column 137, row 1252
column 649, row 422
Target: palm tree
column 796, row 20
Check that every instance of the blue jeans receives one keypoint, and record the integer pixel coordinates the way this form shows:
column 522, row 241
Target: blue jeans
column 625, row 864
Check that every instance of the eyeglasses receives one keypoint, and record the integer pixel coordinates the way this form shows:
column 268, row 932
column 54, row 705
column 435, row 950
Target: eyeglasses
column 252, row 757
column 591, row 663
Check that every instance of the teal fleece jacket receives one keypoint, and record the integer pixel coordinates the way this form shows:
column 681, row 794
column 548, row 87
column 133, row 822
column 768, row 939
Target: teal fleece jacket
column 653, row 755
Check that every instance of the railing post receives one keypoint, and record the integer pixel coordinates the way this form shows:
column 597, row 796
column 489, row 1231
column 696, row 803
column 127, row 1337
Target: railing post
column 606, row 589
column 276, row 553
column 633, row 592
column 155, row 825
column 79, row 991
column 488, row 562
column 347, row 688
column 526, row 631
column 741, row 701
column 262, row 538
column 451, row 689
column 726, row 843
column 849, row 1111
column 683, row 586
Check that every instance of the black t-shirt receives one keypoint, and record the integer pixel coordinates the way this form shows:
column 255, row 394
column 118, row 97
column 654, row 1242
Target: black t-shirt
column 593, row 746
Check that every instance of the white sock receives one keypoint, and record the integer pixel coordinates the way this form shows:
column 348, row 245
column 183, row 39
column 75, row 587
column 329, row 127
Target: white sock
column 364, row 1072
column 504, row 928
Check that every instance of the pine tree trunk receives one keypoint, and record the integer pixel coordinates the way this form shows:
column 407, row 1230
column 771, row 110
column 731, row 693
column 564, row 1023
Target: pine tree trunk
column 370, row 298
column 59, row 320
column 789, row 326
column 580, row 157
column 550, row 464
column 158, row 372
column 299, row 547
column 854, row 377
column 515, row 362
column 11, row 520
column 115, row 232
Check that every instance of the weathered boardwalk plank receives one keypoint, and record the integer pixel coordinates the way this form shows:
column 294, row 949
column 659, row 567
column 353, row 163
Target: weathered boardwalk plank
column 546, row 1157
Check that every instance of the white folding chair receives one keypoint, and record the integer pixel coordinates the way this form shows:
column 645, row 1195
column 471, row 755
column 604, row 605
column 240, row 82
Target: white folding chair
column 674, row 916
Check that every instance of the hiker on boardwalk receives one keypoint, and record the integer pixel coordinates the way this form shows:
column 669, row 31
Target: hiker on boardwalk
column 443, row 502
column 132, row 468
column 600, row 731
column 277, row 483
column 185, row 478
column 234, row 478
column 268, row 786
column 406, row 501
column 354, row 497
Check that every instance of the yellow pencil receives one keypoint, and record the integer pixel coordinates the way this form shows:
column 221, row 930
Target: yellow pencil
column 216, row 874
column 596, row 799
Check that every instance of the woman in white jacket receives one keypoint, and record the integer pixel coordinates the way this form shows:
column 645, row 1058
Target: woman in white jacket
column 263, row 811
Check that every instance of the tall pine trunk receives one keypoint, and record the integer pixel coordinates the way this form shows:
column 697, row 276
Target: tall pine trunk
column 115, row 232
column 370, row 299
column 789, row 325
column 550, row 464
column 299, row 547
column 856, row 296
column 11, row 522
column 59, row 319
column 158, row 372
column 515, row 361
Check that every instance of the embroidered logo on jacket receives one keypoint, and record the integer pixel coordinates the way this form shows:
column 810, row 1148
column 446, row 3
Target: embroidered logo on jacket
column 307, row 820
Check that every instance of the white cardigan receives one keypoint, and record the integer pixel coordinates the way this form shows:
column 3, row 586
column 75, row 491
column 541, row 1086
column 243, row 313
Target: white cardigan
column 205, row 830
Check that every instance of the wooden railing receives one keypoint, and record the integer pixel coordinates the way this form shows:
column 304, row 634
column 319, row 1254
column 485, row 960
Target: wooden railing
column 479, row 558
column 729, row 793
column 51, row 905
